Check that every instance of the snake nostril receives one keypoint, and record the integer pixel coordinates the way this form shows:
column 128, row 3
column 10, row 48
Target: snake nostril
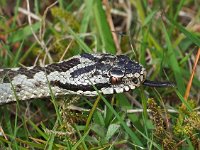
column 135, row 80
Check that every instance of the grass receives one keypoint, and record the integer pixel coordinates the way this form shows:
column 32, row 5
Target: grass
column 163, row 36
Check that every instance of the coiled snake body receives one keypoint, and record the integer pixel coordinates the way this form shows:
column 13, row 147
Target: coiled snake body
column 77, row 75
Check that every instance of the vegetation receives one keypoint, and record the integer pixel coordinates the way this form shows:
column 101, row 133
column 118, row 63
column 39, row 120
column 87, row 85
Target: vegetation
column 161, row 35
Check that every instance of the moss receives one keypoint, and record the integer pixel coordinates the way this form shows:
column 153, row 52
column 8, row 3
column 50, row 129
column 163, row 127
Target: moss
column 162, row 134
column 67, row 17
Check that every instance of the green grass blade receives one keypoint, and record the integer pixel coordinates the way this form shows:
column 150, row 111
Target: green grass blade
column 103, row 27
column 38, row 130
column 23, row 33
column 183, row 100
column 81, row 140
column 188, row 34
column 126, row 128
column 17, row 55
column 150, row 17
column 87, row 15
column 79, row 40
column 174, row 63
column 91, row 113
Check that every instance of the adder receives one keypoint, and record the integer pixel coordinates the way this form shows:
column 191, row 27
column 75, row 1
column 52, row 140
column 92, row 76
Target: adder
column 77, row 75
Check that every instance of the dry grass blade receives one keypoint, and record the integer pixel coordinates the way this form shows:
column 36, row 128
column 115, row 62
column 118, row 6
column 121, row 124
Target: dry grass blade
column 192, row 76
column 112, row 28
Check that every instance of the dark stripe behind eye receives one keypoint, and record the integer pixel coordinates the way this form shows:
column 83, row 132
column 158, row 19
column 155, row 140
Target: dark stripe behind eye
column 76, row 88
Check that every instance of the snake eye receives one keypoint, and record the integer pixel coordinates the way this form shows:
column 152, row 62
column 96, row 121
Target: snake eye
column 115, row 80
column 135, row 80
column 116, row 75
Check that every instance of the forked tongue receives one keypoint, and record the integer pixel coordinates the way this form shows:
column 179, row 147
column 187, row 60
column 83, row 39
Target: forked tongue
column 158, row 84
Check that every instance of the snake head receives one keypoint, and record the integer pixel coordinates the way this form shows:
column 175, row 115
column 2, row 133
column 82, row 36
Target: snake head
column 126, row 74
column 121, row 73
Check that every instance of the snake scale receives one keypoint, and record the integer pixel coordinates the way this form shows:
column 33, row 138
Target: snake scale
column 77, row 75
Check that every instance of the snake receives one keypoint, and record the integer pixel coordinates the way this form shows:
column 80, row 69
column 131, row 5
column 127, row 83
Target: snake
column 85, row 74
